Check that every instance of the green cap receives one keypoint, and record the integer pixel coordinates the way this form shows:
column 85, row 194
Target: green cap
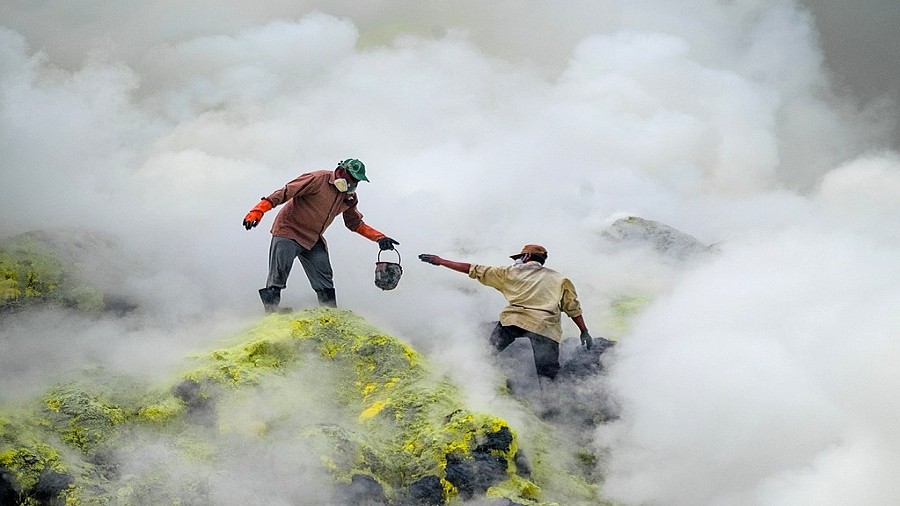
column 355, row 167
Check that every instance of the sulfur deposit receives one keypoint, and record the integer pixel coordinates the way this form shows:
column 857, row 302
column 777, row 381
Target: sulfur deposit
column 333, row 402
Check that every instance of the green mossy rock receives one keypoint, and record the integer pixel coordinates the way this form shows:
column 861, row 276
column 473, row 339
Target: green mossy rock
column 359, row 405
column 32, row 272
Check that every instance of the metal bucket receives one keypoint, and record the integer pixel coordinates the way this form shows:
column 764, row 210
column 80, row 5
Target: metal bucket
column 387, row 274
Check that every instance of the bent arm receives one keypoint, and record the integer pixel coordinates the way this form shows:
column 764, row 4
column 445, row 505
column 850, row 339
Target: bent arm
column 353, row 220
column 579, row 321
column 571, row 306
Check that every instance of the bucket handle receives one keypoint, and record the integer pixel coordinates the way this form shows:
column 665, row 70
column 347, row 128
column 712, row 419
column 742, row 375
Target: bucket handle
column 395, row 250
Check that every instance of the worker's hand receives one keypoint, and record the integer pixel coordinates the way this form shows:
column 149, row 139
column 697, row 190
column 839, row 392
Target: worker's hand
column 256, row 214
column 431, row 259
column 386, row 243
column 586, row 340
column 252, row 219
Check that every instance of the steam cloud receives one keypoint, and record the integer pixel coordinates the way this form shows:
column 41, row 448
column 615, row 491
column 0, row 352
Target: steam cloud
column 764, row 376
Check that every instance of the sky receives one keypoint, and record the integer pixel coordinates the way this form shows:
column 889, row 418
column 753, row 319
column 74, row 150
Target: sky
column 763, row 375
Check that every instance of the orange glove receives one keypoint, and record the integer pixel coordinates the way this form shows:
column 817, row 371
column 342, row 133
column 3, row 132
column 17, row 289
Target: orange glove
column 384, row 242
column 256, row 214
column 368, row 232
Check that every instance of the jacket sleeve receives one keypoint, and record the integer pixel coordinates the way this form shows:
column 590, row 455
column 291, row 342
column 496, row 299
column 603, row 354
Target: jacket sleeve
column 569, row 303
column 494, row 277
column 302, row 185
column 353, row 218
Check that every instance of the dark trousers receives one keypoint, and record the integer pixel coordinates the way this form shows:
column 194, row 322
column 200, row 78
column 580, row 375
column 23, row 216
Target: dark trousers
column 315, row 262
column 546, row 350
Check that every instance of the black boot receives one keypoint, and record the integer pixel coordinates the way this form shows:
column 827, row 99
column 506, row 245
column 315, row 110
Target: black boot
column 271, row 297
column 327, row 297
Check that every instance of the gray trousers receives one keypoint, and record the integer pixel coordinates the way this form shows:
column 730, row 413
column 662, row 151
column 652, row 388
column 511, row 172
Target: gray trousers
column 315, row 261
column 546, row 350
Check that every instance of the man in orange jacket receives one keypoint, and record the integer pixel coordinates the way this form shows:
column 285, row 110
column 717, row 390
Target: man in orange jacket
column 311, row 202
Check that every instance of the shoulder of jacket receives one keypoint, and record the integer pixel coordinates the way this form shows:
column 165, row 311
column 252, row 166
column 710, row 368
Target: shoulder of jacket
column 550, row 273
column 319, row 178
column 320, row 173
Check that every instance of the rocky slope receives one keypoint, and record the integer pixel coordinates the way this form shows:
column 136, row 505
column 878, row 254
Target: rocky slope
column 312, row 407
column 353, row 413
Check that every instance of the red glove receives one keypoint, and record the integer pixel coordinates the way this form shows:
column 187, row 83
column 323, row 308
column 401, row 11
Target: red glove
column 256, row 214
column 368, row 232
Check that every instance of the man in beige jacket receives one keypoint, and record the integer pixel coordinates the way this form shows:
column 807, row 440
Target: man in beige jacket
column 536, row 297
column 311, row 202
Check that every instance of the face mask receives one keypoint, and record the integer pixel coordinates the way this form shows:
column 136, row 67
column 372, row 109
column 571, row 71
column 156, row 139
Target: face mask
column 519, row 261
column 343, row 186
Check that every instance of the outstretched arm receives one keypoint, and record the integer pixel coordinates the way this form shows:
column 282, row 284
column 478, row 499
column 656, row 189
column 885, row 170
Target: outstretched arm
column 436, row 260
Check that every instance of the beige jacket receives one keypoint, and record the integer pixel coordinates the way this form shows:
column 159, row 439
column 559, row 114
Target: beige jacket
column 536, row 296
column 311, row 203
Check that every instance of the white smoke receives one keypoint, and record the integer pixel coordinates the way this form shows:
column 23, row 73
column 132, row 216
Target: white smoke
column 756, row 370
column 762, row 377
